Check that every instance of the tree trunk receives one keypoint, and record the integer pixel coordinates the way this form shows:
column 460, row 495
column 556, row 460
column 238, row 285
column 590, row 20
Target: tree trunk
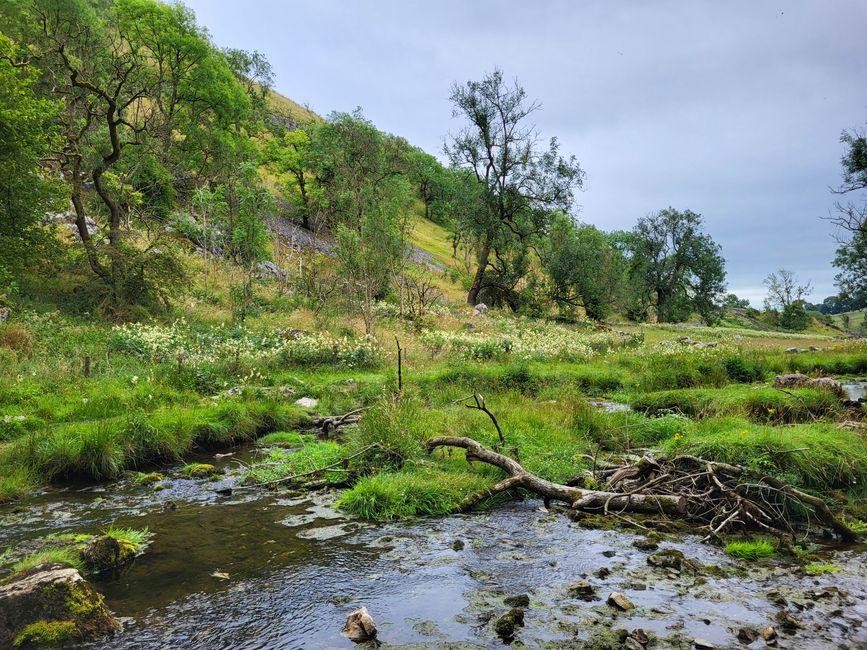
column 575, row 497
column 473, row 294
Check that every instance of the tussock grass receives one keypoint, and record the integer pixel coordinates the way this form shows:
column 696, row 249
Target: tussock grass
column 135, row 537
column 415, row 490
column 59, row 555
column 751, row 550
column 311, row 456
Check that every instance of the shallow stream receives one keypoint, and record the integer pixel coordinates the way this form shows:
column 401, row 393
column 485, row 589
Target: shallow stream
column 280, row 570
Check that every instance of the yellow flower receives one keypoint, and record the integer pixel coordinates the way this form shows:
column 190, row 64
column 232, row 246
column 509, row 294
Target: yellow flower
column 772, row 411
column 677, row 437
column 744, row 432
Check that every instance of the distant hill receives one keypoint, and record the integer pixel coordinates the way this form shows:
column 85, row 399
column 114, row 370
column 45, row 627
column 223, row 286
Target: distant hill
column 284, row 107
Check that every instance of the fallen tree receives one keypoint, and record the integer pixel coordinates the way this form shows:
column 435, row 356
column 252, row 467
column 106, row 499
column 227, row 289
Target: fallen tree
column 720, row 496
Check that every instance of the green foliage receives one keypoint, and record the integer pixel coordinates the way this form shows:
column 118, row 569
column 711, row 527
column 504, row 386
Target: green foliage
column 794, row 317
column 679, row 268
column 59, row 555
column 820, row 569
column 416, row 490
column 751, row 550
column 397, row 426
column 136, row 538
column 284, row 439
column 48, row 634
column 307, row 460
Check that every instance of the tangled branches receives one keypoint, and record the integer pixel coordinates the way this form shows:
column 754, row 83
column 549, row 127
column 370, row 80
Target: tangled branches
column 719, row 496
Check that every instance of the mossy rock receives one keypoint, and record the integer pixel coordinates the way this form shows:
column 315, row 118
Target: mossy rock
column 666, row 559
column 201, row 470
column 107, row 553
column 148, row 479
column 51, row 605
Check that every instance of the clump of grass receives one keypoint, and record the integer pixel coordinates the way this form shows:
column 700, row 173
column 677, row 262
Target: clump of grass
column 310, row 457
column 414, row 491
column 15, row 482
column 137, row 538
column 751, row 550
column 284, row 439
column 820, row 569
column 393, row 431
column 59, row 555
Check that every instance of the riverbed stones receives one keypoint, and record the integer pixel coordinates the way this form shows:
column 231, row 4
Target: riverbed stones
column 51, row 600
column 581, row 589
column 521, row 600
column 360, row 626
column 769, row 633
column 505, row 626
column 666, row 559
column 620, row 601
column 702, row 644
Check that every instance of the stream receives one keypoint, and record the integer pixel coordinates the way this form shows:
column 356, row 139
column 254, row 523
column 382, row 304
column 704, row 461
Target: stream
column 283, row 569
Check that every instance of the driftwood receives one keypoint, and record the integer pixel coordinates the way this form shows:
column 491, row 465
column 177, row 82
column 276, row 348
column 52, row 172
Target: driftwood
column 577, row 498
column 720, row 496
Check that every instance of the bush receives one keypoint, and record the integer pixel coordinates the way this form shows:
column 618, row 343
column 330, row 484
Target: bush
column 15, row 337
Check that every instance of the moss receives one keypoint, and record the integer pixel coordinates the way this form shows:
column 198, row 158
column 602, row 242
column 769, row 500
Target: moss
column 820, row 569
column 199, row 470
column 751, row 550
column 47, row 634
column 148, row 479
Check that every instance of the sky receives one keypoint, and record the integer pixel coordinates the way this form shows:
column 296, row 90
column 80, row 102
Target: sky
column 731, row 109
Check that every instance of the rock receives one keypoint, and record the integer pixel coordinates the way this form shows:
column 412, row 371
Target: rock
column 603, row 573
column 521, row 600
column 609, row 553
column 620, row 601
column 5, row 313
column 640, row 636
column 769, row 633
column 684, row 340
column 788, row 622
column 306, row 402
column 51, row 603
column 649, row 543
column 148, row 479
column 706, row 344
column 797, row 380
column 481, row 308
column 581, row 589
column 105, row 553
column 269, row 269
column 201, row 470
column 747, row 635
column 360, row 626
column 704, row 644
column 458, row 545
column 666, row 559
column 796, row 350
column 506, row 624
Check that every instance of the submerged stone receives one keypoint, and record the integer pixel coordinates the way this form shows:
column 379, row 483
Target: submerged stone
column 521, row 600
column 51, row 603
column 666, row 559
column 506, row 624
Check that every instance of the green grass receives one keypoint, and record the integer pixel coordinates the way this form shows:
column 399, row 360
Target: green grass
column 416, row 490
column 751, row 550
column 820, row 569
column 137, row 538
column 284, row 439
column 817, row 456
column 757, row 403
column 60, row 555
column 310, row 457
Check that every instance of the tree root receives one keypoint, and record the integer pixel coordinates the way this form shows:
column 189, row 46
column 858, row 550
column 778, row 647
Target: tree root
column 720, row 496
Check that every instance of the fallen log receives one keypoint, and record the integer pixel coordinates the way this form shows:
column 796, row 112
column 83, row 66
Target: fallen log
column 577, row 498
column 721, row 496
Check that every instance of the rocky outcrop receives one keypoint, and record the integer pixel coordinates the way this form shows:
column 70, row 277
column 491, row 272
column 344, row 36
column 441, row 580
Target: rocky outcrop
column 797, row 380
column 51, row 604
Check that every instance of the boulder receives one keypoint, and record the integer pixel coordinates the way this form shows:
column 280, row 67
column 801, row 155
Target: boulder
column 51, row 604
column 521, row 600
column 106, row 553
column 270, row 270
column 360, row 626
column 481, row 308
column 797, row 380
column 306, row 402
column 666, row 559
column 620, row 601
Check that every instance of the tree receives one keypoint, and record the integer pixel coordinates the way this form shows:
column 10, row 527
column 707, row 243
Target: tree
column 523, row 183
column 291, row 157
column 675, row 266
column 784, row 290
column 583, row 269
column 731, row 301
column 26, row 132
column 851, row 218
column 366, row 202
column 149, row 107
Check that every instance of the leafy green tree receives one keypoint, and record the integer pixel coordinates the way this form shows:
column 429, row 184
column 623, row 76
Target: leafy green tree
column 731, row 301
column 676, row 267
column 583, row 269
column 794, row 316
column 290, row 155
column 851, row 219
column 523, row 183
column 26, row 194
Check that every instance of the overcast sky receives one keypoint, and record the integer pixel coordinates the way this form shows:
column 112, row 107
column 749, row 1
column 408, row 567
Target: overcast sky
column 731, row 109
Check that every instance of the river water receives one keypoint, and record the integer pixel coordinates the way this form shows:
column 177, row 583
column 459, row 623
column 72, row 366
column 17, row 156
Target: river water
column 282, row 570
